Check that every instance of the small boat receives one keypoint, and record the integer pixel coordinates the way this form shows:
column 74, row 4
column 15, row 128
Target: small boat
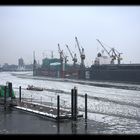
column 31, row 87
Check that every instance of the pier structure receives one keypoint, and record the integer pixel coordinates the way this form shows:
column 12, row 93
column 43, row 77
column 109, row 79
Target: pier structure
column 48, row 111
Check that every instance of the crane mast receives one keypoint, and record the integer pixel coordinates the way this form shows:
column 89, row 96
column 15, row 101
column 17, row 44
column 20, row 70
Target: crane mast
column 82, row 55
column 61, row 60
column 61, row 53
column 74, row 59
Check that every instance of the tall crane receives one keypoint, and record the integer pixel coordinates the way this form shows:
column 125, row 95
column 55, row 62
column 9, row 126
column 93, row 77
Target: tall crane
column 61, row 53
column 82, row 55
column 61, row 60
column 74, row 58
column 113, row 57
column 103, row 46
column 113, row 53
column 62, row 57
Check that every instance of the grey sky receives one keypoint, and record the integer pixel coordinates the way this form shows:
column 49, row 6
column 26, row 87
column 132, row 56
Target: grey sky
column 24, row 29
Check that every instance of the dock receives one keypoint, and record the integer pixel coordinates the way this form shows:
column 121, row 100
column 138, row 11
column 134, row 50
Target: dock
column 44, row 110
column 57, row 112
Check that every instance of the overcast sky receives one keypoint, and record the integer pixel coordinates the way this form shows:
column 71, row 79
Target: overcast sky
column 24, row 29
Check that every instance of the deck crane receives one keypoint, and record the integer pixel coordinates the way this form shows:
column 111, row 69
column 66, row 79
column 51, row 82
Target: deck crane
column 82, row 55
column 103, row 46
column 117, row 55
column 113, row 57
column 119, row 58
column 74, row 58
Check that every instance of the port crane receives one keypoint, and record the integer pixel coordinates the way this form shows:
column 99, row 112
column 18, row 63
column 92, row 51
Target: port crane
column 74, row 58
column 62, row 57
column 82, row 55
column 113, row 53
column 61, row 54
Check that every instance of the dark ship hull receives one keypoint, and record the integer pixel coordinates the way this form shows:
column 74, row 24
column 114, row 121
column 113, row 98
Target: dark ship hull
column 117, row 73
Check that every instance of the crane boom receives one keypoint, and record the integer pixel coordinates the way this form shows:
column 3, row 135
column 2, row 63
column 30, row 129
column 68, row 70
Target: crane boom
column 103, row 47
column 78, row 45
column 69, row 51
column 59, row 48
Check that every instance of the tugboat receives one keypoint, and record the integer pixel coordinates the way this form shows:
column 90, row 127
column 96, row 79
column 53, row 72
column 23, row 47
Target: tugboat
column 31, row 87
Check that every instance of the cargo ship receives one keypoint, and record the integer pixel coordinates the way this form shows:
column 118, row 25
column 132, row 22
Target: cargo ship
column 104, row 68
column 116, row 73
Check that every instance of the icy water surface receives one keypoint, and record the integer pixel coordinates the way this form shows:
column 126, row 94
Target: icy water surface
column 111, row 110
column 18, row 122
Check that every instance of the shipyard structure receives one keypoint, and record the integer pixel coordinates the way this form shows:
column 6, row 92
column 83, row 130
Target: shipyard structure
column 104, row 67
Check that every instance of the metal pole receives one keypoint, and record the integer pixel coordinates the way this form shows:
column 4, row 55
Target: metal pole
column 58, row 107
column 58, row 127
column 10, row 89
column 20, row 93
column 75, row 104
column 72, row 103
column 85, row 106
column 5, row 89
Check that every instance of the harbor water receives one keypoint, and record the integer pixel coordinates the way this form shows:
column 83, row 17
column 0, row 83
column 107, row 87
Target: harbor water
column 111, row 110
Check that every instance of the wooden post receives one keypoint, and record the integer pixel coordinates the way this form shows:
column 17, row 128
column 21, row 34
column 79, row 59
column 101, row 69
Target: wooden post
column 72, row 92
column 58, row 127
column 10, row 89
column 5, row 90
column 74, row 127
column 75, row 106
column 58, row 107
column 20, row 93
column 85, row 106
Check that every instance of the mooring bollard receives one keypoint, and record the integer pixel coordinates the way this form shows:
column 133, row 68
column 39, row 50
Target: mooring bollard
column 85, row 106
column 20, row 93
column 5, row 90
column 58, row 107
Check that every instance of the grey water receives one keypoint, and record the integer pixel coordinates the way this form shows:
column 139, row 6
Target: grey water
column 110, row 110
column 17, row 122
